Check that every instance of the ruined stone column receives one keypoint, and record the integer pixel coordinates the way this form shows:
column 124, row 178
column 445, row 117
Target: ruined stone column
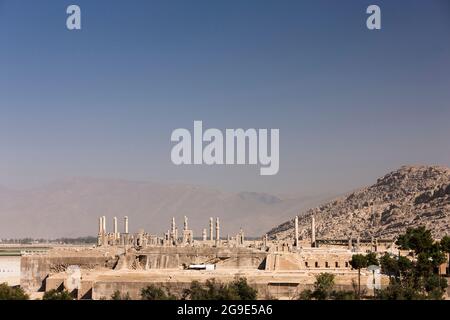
column 313, row 231
column 211, row 237
column 115, row 227
column 104, row 224
column 126, row 224
column 204, row 235
column 358, row 243
column 296, row 232
column 100, row 236
column 350, row 244
column 217, row 232
column 173, row 227
column 100, row 225
column 185, row 223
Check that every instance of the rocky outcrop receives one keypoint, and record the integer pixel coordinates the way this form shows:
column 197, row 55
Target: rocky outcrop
column 408, row 197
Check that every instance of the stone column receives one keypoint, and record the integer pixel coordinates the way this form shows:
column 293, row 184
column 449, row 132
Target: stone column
column 115, row 227
column 185, row 223
column 217, row 231
column 350, row 244
column 100, row 237
column 313, row 231
column 100, row 225
column 204, row 235
column 296, row 232
column 211, row 237
column 126, row 225
column 173, row 227
column 104, row 224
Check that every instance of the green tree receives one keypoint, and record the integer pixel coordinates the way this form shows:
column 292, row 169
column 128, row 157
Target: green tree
column 358, row 262
column 323, row 286
column 434, row 285
column 153, row 292
column 395, row 266
column 399, row 291
column 414, row 277
column 306, row 294
column 243, row 289
column 57, row 295
column 211, row 290
column 405, row 265
column 238, row 289
column 117, row 295
column 372, row 259
column 343, row 295
column 196, row 292
column 12, row 293
column 445, row 246
column 389, row 266
column 323, row 290
column 416, row 239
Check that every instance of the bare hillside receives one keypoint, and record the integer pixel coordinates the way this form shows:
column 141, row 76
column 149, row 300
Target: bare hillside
column 408, row 197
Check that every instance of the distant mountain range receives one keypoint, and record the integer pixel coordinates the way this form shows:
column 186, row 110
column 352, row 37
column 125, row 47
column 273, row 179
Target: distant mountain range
column 408, row 197
column 70, row 208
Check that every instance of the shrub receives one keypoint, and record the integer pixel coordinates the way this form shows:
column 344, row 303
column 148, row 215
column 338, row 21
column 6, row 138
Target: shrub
column 57, row 295
column 117, row 295
column 153, row 292
column 12, row 293
column 323, row 287
column 239, row 289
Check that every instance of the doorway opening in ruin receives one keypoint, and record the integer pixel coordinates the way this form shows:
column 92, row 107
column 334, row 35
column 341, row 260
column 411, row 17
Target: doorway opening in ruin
column 143, row 262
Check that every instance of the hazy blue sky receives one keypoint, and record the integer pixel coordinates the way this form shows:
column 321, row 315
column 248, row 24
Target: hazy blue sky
column 351, row 104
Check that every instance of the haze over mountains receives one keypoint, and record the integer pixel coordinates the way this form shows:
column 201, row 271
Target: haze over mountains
column 71, row 208
column 408, row 197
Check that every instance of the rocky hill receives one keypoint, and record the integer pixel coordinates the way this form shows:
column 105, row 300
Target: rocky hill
column 408, row 197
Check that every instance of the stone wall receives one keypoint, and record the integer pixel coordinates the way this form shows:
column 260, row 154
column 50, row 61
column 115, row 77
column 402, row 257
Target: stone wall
column 10, row 270
column 178, row 257
column 269, row 286
column 307, row 260
column 36, row 268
